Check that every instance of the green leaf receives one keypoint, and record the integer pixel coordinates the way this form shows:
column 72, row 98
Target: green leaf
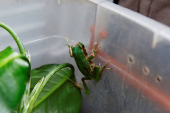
column 14, row 73
column 58, row 95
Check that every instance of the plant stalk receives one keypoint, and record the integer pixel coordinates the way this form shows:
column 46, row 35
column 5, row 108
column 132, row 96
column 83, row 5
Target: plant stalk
column 26, row 54
column 15, row 37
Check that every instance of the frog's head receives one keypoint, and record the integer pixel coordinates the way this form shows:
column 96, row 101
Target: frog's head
column 81, row 45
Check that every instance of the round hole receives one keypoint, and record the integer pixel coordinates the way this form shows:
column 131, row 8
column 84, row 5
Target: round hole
column 131, row 59
column 146, row 70
column 158, row 79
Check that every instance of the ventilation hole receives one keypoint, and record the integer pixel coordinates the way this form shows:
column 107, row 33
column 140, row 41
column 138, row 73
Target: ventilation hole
column 158, row 79
column 131, row 59
column 145, row 70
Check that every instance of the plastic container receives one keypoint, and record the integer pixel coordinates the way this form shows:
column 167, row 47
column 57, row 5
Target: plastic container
column 137, row 46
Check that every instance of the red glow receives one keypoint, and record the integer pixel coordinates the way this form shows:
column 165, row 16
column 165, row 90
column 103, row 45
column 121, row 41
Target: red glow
column 137, row 82
column 132, row 77
column 103, row 34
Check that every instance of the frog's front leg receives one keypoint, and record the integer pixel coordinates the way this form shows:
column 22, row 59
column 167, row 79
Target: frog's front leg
column 70, row 48
column 94, row 52
column 70, row 51
column 97, row 72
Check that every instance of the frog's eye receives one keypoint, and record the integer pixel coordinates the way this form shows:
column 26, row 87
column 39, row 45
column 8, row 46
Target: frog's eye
column 83, row 46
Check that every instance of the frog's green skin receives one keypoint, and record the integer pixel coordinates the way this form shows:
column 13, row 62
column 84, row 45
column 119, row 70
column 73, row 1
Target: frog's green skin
column 85, row 64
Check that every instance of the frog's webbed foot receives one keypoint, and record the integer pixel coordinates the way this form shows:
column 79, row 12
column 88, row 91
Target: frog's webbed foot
column 105, row 66
column 67, row 42
column 98, row 76
column 70, row 47
column 67, row 45
column 75, row 84
column 95, row 51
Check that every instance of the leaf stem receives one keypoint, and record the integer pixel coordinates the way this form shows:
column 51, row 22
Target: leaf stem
column 15, row 37
column 23, row 52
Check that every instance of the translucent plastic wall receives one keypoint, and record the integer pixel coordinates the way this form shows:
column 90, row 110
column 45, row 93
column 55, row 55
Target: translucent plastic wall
column 138, row 48
column 36, row 19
